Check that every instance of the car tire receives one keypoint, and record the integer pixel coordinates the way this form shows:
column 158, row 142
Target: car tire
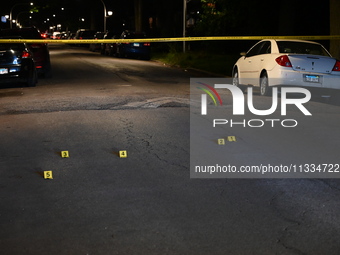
column 33, row 79
column 146, row 57
column 264, row 85
column 236, row 79
column 48, row 71
column 118, row 53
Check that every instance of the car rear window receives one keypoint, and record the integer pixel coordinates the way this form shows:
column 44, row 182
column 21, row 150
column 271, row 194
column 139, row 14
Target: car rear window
column 301, row 48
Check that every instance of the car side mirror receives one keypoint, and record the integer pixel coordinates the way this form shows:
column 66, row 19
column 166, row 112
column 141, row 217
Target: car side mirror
column 243, row 54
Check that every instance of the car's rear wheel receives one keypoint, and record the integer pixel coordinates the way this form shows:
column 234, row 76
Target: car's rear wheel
column 33, row 79
column 264, row 85
column 102, row 51
column 48, row 71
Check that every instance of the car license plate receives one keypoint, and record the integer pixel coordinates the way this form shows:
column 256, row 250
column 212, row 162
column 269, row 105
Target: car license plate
column 3, row 70
column 136, row 44
column 312, row 78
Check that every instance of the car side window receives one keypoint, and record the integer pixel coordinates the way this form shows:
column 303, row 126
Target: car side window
column 266, row 48
column 254, row 51
column 260, row 48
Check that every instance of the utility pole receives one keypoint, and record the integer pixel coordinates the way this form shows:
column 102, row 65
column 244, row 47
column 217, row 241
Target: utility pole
column 138, row 15
column 184, row 21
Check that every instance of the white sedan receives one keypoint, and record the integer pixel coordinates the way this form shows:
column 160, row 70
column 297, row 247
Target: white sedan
column 287, row 63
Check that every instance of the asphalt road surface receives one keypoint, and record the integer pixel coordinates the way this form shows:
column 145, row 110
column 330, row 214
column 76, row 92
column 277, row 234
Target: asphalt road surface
column 146, row 203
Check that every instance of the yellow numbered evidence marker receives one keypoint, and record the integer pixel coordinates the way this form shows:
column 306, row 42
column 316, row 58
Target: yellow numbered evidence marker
column 65, row 154
column 122, row 154
column 48, row 175
column 231, row 138
column 221, row 141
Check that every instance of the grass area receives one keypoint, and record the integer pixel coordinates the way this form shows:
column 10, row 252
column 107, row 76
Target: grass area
column 220, row 64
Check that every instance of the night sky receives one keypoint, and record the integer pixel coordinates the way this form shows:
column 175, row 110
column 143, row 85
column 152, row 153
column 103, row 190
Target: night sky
column 289, row 17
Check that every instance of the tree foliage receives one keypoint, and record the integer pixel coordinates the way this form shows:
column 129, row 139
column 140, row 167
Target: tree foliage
column 219, row 17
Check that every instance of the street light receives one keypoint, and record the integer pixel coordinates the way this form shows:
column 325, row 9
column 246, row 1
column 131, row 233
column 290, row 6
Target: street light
column 106, row 14
column 10, row 14
column 17, row 18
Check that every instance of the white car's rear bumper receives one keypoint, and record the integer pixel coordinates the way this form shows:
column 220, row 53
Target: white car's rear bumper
column 303, row 79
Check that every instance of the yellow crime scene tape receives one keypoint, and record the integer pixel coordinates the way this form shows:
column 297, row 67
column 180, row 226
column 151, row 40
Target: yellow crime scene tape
column 176, row 39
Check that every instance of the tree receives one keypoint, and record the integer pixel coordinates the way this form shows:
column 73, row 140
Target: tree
column 235, row 17
column 335, row 27
column 214, row 19
column 138, row 15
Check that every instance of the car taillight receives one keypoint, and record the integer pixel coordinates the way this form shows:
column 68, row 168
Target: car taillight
column 336, row 66
column 25, row 54
column 284, row 61
column 146, row 44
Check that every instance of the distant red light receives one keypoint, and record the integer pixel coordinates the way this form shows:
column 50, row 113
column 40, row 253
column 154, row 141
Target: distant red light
column 25, row 54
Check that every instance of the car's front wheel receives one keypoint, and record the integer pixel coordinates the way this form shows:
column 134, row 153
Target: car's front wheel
column 264, row 85
column 235, row 78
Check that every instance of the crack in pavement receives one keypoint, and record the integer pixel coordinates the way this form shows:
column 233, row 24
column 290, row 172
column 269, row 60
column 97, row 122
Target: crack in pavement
column 75, row 105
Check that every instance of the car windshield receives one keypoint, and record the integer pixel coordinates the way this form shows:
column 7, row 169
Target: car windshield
column 301, row 48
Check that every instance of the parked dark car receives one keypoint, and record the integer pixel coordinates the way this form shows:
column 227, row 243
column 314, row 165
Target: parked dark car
column 84, row 34
column 96, row 46
column 109, row 49
column 17, row 64
column 138, row 49
column 40, row 51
